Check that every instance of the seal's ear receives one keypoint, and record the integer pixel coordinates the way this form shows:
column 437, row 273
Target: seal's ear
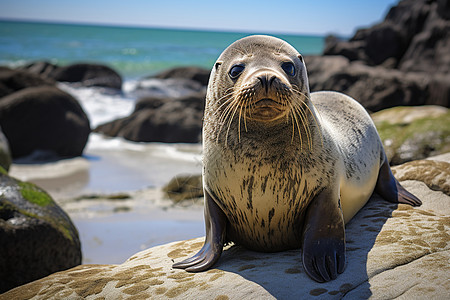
column 301, row 58
column 217, row 65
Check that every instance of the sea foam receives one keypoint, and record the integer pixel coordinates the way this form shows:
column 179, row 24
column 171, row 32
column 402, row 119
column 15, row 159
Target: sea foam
column 101, row 105
column 117, row 164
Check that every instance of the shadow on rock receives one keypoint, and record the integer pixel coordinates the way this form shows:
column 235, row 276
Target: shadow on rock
column 279, row 272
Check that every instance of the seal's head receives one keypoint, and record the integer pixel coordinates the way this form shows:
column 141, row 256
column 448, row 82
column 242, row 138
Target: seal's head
column 260, row 75
column 259, row 79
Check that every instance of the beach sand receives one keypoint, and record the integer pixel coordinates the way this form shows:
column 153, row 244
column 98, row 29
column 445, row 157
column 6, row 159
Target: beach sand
column 116, row 214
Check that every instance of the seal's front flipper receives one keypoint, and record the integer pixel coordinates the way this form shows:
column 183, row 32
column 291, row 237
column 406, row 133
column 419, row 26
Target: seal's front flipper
column 215, row 223
column 391, row 190
column 324, row 238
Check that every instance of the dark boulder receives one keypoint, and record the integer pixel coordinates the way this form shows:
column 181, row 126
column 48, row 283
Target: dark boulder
column 43, row 68
column 414, row 36
column 200, row 75
column 164, row 120
column 88, row 75
column 377, row 88
column 44, row 118
column 151, row 102
column 429, row 51
column 15, row 80
column 84, row 74
column 37, row 237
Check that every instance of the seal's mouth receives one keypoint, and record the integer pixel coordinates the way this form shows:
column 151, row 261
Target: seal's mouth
column 266, row 102
column 266, row 109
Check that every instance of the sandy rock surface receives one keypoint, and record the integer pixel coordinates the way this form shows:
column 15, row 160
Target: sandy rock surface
column 392, row 251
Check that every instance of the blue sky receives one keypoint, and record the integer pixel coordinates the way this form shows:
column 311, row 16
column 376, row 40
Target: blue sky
column 278, row 16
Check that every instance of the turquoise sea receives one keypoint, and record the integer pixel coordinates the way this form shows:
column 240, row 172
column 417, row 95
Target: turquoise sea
column 133, row 52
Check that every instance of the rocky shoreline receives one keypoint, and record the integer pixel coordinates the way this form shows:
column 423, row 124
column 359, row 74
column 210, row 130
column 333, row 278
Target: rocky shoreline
column 393, row 251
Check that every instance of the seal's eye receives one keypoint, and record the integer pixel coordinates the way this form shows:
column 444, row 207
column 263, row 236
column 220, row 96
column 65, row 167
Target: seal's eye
column 236, row 70
column 289, row 68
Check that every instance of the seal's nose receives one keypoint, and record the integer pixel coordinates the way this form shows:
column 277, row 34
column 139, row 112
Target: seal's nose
column 266, row 81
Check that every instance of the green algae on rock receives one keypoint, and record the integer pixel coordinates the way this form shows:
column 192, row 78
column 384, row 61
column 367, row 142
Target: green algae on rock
column 410, row 133
column 184, row 187
column 34, row 194
column 38, row 233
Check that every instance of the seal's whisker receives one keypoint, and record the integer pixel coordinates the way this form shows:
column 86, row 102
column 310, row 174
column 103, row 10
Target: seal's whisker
column 223, row 121
column 306, row 126
column 295, row 89
column 247, row 100
column 224, row 114
column 293, row 128
column 293, row 112
column 229, row 114
column 290, row 114
column 304, row 120
column 239, row 121
column 230, row 121
column 226, row 103
column 231, row 103
column 228, row 110
column 229, row 94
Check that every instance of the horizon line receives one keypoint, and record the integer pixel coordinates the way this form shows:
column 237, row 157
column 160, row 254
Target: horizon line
column 136, row 26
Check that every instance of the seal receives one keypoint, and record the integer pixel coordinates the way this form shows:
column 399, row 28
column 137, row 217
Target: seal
column 283, row 168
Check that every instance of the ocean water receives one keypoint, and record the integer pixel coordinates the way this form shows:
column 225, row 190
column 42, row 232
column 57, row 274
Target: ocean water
column 134, row 53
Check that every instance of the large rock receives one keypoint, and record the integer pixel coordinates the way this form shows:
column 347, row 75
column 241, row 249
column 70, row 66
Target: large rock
column 200, row 75
column 414, row 36
column 15, row 80
column 411, row 49
column 412, row 133
column 429, row 47
column 164, row 120
column 392, row 251
column 377, row 88
column 84, row 74
column 42, row 68
column 37, row 237
column 88, row 75
column 44, row 118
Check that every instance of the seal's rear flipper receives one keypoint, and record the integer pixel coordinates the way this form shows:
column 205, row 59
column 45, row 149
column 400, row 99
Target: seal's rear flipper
column 215, row 223
column 391, row 190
